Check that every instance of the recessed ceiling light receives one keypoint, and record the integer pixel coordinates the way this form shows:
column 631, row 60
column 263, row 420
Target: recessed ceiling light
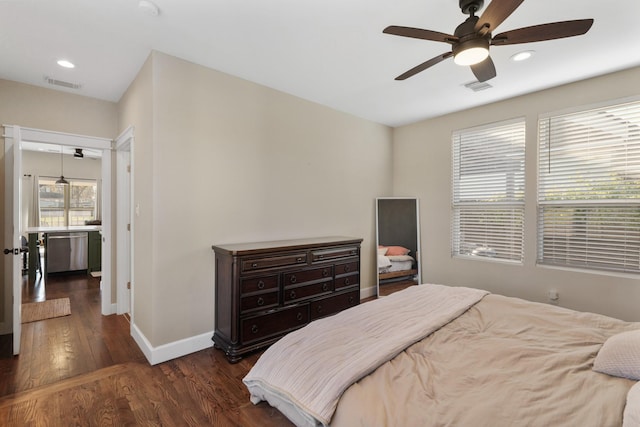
column 66, row 64
column 522, row 56
column 149, row 7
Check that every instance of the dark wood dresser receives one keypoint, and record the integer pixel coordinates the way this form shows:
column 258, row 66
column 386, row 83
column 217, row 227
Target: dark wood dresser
column 267, row 289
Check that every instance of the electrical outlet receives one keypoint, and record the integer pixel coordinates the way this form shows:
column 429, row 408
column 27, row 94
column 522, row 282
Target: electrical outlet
column 553, row 296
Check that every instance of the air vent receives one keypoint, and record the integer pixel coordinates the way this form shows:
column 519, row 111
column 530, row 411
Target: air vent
column 62, row 83
column 478, row 86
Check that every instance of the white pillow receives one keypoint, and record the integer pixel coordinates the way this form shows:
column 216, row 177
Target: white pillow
column 620, row 356
column 632, row 410
column 383, row 250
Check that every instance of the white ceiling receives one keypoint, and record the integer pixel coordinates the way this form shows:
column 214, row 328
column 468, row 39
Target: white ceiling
column 332, row 52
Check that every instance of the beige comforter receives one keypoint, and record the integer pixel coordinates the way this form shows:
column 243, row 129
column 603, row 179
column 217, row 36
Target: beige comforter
column 305, row 372
column 505, row 362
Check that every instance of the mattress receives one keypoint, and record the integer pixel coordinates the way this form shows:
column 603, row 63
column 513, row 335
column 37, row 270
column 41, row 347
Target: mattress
column 394, row 263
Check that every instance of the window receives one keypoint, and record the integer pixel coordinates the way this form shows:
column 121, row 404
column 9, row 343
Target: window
column 62, row 205
column 488, row 191
column 589, row 189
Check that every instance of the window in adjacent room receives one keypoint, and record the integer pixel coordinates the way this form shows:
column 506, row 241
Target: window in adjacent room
column 62, row 205
column 488, row 191
column 589, row 189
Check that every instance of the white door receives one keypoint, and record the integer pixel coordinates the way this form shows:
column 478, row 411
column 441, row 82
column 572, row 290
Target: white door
column 124, row 149
column 12, row 244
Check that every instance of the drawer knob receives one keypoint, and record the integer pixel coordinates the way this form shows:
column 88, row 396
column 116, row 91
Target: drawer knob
column 293, row 278
column 351, row 299
column 347, row 281
column 254, row 265
column 292, row 295
column 325, row 272
column 325, row 287
column 254, row 329
column 260, row 301
column 299, row 316
column 261, row 284
column 299, row 259
column 346, row 268
column 319, row 309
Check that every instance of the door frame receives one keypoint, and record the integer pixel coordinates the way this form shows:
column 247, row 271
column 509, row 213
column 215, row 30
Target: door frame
column 124, row 149
column 12, row 229
column 14, row 135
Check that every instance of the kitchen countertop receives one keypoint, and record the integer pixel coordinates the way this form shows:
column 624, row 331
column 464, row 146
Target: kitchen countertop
column 64, row 229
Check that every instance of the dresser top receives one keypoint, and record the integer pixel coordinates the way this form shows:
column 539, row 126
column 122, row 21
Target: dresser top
column 259, row 247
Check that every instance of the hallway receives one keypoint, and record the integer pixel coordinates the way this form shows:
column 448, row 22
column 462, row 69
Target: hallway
column 85, row 369
column 64, row 347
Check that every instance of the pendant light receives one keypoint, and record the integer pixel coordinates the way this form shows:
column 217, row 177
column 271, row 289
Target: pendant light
column 62, row 181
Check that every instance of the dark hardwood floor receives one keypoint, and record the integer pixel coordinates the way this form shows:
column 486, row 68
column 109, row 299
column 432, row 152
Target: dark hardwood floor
column 86, row 370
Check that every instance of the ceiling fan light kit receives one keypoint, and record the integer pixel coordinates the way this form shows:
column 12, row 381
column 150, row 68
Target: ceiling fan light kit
column 471, row 52
column 471, row 39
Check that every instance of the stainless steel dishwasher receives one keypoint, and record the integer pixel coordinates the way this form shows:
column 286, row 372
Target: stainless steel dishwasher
column 66, row 252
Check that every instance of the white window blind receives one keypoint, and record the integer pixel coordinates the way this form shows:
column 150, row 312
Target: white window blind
column 488, row 191
column 589, row 189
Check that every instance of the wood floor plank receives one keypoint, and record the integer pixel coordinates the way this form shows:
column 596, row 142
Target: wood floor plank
column 85, row 369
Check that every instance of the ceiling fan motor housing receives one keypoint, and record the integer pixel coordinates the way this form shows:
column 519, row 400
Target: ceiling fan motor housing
column 468, row 37
column 471, row 6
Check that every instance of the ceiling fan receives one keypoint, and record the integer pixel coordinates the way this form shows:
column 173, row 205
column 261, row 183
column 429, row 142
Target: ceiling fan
column 471, row 40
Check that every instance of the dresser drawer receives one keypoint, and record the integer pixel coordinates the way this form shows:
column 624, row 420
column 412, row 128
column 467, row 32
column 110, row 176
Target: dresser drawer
column 347, row 268
column 251, row 264
column 257, row 284
column 334, row 253
column 333, row 304
column 259, row 327
column 302, row 276
column 261, row 301
column 297, row 293
column 346, row 281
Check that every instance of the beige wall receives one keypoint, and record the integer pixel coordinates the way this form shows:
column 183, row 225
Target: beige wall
column 136, row 109
column 40, row 108
column 218, row 159
column 422, row 167
column 229, row 161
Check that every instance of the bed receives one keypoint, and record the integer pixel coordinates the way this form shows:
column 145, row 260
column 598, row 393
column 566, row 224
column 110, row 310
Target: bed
column 434, row 355
column 395, row 264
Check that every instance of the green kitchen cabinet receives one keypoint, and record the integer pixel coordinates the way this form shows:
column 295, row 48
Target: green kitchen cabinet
column 95, row 251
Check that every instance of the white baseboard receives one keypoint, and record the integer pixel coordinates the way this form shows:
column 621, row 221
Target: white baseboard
column 171, row 350
column 190, row 345
column 368, row 292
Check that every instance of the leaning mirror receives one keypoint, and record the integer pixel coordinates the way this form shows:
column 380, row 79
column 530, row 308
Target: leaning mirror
column 398, row 243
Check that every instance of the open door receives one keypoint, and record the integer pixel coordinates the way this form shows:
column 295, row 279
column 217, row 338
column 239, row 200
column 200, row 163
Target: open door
column 124, row 223
column 12, row 244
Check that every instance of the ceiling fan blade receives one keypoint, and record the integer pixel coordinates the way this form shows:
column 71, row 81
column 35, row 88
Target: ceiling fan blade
column 419, row 33
column 430, row 63
column 542, row 32
column 495, row 14
column 484, row 70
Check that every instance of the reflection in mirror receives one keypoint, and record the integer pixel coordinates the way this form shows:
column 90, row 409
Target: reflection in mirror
column 398, row 243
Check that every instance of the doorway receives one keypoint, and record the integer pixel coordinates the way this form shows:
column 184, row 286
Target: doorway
column 15, row 137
